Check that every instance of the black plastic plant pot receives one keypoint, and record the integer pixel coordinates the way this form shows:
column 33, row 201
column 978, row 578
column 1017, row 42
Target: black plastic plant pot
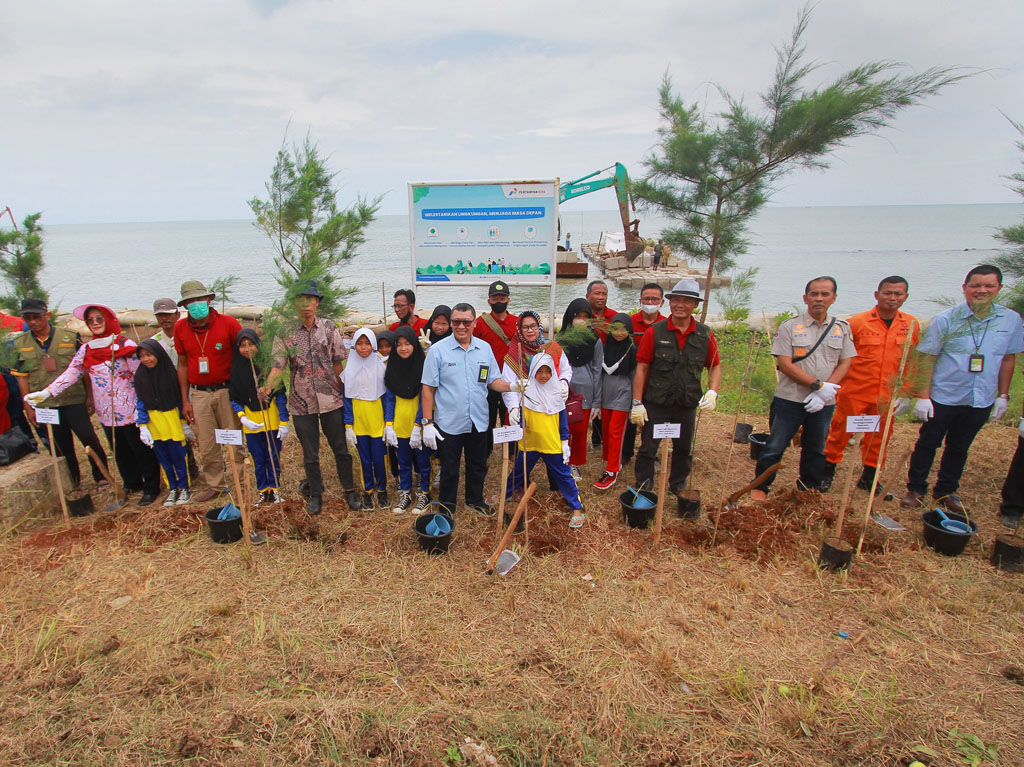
column 945, row 541
column 836, row 554
column 522, row 520
column 223, row 530
column 688, row 504
column 80, row 504
column 742, row 432
column 1008, row 553
column 433, row 544
column 639, row 517
column 757, row 442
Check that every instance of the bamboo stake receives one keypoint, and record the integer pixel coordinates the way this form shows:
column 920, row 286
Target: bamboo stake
column 275, row 456
column 755, row 343
column 118, row 492
column 885, row 435
column 504, row 489
column 246, row 522
column 56, row 472
column 662, row 481
column 847, row 485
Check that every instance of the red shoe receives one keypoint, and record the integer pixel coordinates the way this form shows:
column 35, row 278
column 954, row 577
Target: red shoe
column 606, row 481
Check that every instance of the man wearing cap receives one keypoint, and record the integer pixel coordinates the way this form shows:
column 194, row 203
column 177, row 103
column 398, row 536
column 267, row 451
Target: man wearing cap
column 314, row 352
column 813, row 354
column 166, row 312
column 205, row 342
column 497, row 327
column 44, row 352
column 405, row 309
column 670, row 359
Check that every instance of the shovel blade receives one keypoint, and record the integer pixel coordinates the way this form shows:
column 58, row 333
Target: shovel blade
column 257, row 538
column 506, row 562
column 887, row 522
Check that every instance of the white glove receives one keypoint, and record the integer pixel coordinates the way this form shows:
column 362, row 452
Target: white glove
column 515, row 416
column 565, row 451
column 999, row 408
column 189, row 434
column 250, row 424
column 145, row 436
column 431, row 436
column 37, row 397
column 350, row 437
column 903, row 405
column 416, row 438
column 813, row 402
column 519, row 385
column 389, row 435
column 638, row 415
column 828, row 390
column 923, row 409
column 563, row 389
column 709, row 400
column 283, row 431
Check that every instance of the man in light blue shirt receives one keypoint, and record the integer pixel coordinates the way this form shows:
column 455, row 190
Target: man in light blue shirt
column 457, row 374
column 970, row 350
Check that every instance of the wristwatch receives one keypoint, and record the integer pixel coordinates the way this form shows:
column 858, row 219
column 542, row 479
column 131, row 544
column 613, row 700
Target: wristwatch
column 426, row 421
column 637, row 402
column 816, row 385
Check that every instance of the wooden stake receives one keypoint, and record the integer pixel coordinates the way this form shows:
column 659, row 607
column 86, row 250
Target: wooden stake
column 118, row 492
column 662, row 481
column 847, row 484
column 243, row 507
column 56, row 472
column 504, row 489
column 520, row 509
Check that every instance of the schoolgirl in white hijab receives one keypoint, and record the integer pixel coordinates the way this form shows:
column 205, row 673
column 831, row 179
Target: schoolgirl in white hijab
column 363, row 378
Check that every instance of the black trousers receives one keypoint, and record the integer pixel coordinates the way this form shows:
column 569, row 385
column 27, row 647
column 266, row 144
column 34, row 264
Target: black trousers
column 496, row 415
column 628, row 441
column 1013, row 486
column 681, row 461
column 139, row 468
column 307, row 429
column 74, row 420
column 450, row 452
column 958, row 425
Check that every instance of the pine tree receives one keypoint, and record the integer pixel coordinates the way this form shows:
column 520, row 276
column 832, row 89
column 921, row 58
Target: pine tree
column 21, row 261
column 1012, row 261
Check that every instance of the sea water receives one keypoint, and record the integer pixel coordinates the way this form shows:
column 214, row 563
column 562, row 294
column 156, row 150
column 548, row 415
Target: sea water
column 933, row 246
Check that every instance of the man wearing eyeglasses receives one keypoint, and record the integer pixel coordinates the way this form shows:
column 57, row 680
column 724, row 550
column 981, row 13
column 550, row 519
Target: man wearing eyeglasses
column 652, row 298
column 405, row 309
column 457, row 374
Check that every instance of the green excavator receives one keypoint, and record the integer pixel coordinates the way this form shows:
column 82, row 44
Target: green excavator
column 619, row 179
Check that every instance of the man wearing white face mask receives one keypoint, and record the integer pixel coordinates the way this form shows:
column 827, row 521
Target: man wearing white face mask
column 652, row 299
column 205, row 342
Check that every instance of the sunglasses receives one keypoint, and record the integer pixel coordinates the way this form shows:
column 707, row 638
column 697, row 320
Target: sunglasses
column 462, row 323
column 94, row 320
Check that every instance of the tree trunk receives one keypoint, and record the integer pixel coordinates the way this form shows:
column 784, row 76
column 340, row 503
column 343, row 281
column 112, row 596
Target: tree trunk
column 713, row 254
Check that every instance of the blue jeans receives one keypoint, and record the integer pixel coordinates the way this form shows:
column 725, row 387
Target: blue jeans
column 785, row 419
column 959, row 425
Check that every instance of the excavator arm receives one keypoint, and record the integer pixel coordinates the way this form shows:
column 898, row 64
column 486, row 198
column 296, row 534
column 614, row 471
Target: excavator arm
column 619, row 179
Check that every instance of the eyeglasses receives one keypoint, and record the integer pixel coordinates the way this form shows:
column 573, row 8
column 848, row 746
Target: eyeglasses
column 650, row 300
column 399, row 306
column 530, row 327
column 462, row 323
column 94, row 320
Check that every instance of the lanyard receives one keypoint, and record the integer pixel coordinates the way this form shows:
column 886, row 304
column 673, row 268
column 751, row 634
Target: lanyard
column 977, row 343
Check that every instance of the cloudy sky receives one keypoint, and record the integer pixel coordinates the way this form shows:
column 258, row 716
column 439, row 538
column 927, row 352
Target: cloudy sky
column 128, row 111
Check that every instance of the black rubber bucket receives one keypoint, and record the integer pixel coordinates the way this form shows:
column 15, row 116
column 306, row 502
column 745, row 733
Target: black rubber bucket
column 836, row 554
column 80, row 504
column 433, row 544
column 757, row 443
column 1008, row 553
column 638, row 517
column 742, row 432
column 688, row 504
column 223, row 530
column 942, row 540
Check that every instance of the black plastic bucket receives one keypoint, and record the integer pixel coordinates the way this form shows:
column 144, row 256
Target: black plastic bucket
column 836, row 554
column 688, row 504
column 1008, row 553
column 942, row 540
column 433, row 544
column 223, row 530
column 638, row 517
column 80, row 504
column 742, row 432
column 757, row 443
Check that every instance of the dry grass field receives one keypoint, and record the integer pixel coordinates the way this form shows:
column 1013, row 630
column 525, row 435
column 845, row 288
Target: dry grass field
column 132, row 639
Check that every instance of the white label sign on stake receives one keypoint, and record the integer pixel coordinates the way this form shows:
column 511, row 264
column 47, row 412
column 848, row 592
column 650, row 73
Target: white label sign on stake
column 508, row 434
column 862, row 423
column 47, row 415
column 666, row 430
column 228, row 436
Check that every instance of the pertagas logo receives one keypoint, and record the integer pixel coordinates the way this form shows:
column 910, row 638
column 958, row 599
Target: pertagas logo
column 527, row 190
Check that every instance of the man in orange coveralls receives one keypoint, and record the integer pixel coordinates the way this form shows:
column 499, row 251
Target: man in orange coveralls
column 879, row 335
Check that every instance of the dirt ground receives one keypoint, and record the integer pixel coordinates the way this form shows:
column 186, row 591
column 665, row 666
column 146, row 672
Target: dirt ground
column 130, row 638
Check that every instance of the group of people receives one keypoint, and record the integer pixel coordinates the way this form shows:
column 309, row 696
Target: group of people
column 431, row 391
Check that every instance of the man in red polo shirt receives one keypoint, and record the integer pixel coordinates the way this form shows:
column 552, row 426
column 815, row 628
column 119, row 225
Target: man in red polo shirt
column 497, row 327
column 652, row 297
column 667, row 387
column 205, row 342
column 405, row 309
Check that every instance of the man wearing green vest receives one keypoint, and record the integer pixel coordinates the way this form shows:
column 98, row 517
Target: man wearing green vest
column 44, row 352
column 670, row 359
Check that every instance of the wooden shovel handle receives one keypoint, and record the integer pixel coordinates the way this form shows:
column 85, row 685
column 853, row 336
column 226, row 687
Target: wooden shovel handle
column 118, row 492
column 757, row 481
column 511, row 526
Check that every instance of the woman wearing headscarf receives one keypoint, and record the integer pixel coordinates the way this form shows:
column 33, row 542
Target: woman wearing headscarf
column 110, row 361
column 402, row 415
column 585, row 353
column 440, row 323
column 618, row 368
column 528, row 342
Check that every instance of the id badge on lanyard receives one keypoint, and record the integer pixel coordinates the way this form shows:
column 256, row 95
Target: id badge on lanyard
column 204, row 365
column 976, row 363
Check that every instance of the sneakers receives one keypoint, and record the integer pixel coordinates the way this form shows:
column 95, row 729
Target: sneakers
column 607, row 480
column 422, row 502
column 576, row 474
column 269, row 496
column 172, row 498
column 382, row 499
column 367, row 501
column 483, row 509
column 404, row 502
column 184, row 496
